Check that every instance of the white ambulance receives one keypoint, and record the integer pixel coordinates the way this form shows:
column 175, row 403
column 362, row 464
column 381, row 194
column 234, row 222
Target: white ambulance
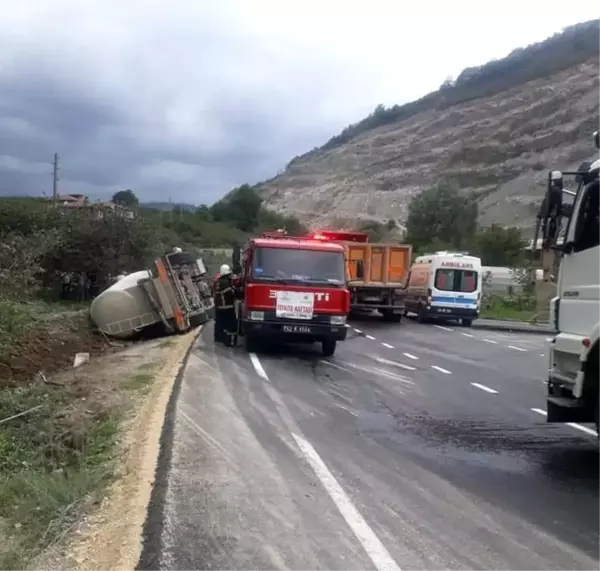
column 445, row 286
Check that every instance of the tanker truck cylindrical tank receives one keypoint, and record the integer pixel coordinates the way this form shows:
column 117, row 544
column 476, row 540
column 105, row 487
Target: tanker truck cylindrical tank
column 124, row 307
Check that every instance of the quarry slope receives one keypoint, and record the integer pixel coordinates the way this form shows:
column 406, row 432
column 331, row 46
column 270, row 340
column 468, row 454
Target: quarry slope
column 499, row 147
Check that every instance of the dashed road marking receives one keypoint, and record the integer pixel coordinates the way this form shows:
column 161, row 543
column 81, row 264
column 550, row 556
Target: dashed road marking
column 491, row 341
column 444, row 328
column 258, row 366
column 441, row 369
column 357, row 330
column 484, row 388
column 411, row 356
column 370, row 337
column 571, row 424
column 393, row 363
column 372, row 545
column 467, row 335
column 517, row 348
column 388, row 345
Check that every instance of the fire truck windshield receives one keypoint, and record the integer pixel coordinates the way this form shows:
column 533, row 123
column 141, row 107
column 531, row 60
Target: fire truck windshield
column 305, row 266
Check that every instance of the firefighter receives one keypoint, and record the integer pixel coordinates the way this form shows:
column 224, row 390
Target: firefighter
column 225, row 293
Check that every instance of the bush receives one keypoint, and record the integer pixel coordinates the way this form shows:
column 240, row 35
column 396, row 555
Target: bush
column 520, row 307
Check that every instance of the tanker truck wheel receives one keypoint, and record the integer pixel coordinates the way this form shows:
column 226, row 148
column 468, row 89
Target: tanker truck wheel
column 328, row 346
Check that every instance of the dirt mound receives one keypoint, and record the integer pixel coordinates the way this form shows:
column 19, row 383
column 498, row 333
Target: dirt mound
column 50, row 345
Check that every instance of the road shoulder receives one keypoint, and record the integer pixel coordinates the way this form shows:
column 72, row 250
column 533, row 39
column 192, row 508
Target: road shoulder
column 119, row 520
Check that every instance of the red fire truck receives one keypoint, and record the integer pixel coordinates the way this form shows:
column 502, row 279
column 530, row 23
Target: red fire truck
column 294, row 290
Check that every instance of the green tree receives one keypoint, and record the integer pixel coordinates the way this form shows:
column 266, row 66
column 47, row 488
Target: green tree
column 241, row 208
column 441, row 214
column 499, row 246
column 125, row 198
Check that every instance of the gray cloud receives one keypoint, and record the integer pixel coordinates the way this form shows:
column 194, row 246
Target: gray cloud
column 188, row 99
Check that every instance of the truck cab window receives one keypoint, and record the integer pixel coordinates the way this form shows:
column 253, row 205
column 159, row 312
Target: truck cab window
column 587, row 229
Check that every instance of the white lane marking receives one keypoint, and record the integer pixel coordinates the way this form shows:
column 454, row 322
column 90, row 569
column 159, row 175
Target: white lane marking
column 370, row 337
column 444, row 328
column 491, row 341
column 370, row 542
column 393, row 363
column 372, row 545
column 541, row 355
column 345, row 408
column 441, row 370
column 571, row 424
column 258, row 366
column 357, row 330
column 467, row 335
column 484, row 388
column 388, row 345
column 517, row 348
column 411, row 356
column 549, row 338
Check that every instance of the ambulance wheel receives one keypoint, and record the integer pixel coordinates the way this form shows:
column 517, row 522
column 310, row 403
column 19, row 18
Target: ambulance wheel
column 466, row 322
column 328, row 346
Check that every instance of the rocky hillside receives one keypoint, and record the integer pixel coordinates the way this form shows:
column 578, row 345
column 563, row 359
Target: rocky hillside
column 496, row 130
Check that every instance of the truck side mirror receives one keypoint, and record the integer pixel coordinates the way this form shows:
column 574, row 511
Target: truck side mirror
column 236, row 265
column 360, row 270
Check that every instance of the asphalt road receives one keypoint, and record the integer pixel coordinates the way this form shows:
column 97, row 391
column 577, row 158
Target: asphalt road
column 414, row 447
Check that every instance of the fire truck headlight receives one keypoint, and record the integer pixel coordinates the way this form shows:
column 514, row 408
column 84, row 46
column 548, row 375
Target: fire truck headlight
column 257, row 315
column 338, row 320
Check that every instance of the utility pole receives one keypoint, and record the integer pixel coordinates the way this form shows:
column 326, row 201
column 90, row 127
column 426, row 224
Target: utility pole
column 55, row 178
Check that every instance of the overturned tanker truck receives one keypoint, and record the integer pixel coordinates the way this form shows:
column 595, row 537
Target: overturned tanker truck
column 171, row 293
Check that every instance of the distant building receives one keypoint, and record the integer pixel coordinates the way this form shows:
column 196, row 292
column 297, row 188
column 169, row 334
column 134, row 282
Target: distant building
column 99, row 209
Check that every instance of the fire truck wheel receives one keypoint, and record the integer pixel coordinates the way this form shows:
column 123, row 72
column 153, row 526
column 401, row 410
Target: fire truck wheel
column 597, row 418
column 250, row 343
column 328, row 346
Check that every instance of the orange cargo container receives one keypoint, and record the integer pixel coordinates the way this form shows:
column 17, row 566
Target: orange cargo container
column 376, row 272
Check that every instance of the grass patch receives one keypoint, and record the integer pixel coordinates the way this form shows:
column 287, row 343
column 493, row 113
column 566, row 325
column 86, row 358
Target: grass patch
column 14, row 319
column 517, row 308
column 138, row 382
column 53, row 460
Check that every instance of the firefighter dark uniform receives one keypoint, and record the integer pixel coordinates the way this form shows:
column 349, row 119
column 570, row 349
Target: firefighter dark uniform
column 225, row 294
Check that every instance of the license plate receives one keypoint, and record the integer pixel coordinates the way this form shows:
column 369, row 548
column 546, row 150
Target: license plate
column 296, row 329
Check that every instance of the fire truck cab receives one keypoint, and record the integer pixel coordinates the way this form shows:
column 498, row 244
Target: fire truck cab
column 294, row 290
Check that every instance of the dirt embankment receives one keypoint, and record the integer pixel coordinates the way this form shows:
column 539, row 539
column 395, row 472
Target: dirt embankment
column 68, row 434
column 49, row 344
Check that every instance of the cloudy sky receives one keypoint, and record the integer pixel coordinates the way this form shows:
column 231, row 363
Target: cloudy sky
column 188, row 98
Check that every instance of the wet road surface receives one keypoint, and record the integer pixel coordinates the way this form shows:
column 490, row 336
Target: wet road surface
column 414, row 447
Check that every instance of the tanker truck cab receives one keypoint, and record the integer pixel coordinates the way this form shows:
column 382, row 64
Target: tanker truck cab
column 294, row 290
column 445, row 286
column 574, row 312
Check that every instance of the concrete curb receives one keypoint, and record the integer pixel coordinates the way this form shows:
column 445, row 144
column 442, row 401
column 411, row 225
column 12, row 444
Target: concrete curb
column 500, row 325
